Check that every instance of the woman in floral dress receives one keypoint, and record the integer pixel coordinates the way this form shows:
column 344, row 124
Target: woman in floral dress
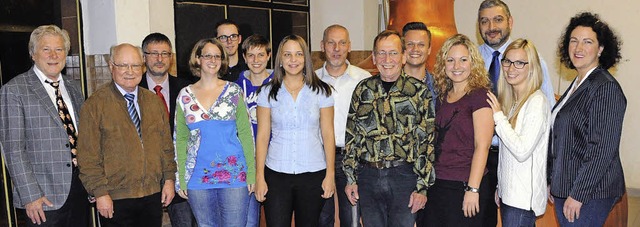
column 214, row 143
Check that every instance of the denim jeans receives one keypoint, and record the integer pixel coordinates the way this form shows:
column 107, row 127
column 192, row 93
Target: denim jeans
column 516, row 217
column 592, row 213
column 253, row 212
column 384, row 196
column 180, row 213
column 327, row 218
column 219, row 207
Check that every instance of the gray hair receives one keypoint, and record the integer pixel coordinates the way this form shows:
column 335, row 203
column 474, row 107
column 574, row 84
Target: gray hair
column 43, row 30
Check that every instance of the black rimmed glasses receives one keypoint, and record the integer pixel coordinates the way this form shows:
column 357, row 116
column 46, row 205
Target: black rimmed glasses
column 518, row 64
column 224, row 38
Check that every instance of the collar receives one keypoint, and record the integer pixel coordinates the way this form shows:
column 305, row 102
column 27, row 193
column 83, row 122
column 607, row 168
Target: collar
column 347, row 71
column 44, row 78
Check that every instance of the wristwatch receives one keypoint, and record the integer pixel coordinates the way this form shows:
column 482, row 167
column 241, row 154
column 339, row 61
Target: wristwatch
column 471, row 189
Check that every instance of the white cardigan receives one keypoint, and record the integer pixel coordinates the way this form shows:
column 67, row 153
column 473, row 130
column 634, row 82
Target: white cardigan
column 522, row 161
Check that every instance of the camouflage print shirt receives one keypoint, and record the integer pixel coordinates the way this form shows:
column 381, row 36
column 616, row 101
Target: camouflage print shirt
column 391, row 126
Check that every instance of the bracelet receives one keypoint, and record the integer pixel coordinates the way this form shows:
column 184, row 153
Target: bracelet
column 471, row 189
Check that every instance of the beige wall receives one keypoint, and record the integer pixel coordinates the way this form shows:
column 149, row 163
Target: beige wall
column 358, row 16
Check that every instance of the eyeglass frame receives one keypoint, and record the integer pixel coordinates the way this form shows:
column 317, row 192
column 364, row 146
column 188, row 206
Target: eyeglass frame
column 125, row 67
column 225, row 38
column 381, row 54
column 208, row 57
column 508, row 63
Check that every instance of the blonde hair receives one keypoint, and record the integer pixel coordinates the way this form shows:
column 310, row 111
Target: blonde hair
column 506, row 94
column 478, row 77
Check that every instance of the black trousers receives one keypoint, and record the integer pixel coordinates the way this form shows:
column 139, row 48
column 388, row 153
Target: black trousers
column 491, row 215
column 145, row 211
column 73, row 213
column 444, row 205
column 288, row 193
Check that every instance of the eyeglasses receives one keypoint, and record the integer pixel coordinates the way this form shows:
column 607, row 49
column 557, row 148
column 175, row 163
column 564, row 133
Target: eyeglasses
column 155, row 54
column 382, row 54
column 506, row 63
column 211, row 56
column 124, row 67
column 224, row 38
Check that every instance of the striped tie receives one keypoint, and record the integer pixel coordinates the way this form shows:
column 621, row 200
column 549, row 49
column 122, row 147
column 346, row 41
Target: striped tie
column 133, row 113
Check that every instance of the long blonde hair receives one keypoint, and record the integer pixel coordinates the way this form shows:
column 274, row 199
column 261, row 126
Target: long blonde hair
column 506, row 94
column 478, row 78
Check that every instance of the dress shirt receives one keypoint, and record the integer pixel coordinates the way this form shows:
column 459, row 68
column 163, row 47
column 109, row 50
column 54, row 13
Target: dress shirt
column 572, row 89
column 391, row 126
column 165, row 87
column 344, row 86
column 135, row 98
column 52, row 93
column 296, row 140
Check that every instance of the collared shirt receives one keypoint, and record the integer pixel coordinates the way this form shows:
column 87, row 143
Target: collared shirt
column 391, row 126
column 52, row 93
column 574, row 86
column 296, row 140
column 344, row 86
column 165, row 87
column 547, row 88
column 135, row 98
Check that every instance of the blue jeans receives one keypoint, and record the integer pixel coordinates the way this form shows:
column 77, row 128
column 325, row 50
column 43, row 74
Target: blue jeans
column 592, row 213
column 220, row 207
column 384, row 196
column 516, row 217
column 180, row 213
column 253, row 212
column 327, row 218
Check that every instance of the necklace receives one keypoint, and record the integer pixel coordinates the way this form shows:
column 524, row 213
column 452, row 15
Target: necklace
column 292, row 89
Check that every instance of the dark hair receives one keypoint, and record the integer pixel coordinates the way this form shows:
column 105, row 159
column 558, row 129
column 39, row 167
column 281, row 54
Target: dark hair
column 310, row 77
column 606, row 38
column 256, row 40
column 386, row 33
column 155, row 38
column 494, row 3
column 418, row 26
column 225, row 22
column 196, row 52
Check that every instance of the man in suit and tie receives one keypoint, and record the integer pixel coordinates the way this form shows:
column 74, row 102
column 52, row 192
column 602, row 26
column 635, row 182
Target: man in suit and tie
column 125, row 152
column 38, row 122
column 157, row 59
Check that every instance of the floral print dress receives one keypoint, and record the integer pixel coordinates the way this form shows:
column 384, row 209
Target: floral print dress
column 214, row 147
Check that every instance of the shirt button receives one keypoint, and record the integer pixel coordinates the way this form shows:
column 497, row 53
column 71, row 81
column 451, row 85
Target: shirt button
column 68, row 164
column 66, row 145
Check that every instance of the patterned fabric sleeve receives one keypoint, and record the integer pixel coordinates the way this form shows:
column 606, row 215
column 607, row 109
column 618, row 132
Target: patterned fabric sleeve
column 352, row 145
column 182, row 134
column 245, row 134
column 425, row 137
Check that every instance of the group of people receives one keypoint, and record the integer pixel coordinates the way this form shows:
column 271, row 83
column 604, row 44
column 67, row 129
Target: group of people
column 404, row 147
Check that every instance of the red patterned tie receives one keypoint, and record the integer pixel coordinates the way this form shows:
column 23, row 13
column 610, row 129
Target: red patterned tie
column 158, row 88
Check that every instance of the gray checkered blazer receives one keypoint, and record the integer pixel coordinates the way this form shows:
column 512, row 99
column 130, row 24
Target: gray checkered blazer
column 35, row 145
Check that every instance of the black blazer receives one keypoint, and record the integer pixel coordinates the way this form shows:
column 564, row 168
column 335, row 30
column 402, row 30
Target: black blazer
column 175, row 85
column 584, row 145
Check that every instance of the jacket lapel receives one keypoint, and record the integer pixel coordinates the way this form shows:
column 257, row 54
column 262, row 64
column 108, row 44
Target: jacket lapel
column 36, row 86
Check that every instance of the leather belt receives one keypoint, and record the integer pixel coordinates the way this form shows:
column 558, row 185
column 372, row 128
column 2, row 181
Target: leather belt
column 384, row 164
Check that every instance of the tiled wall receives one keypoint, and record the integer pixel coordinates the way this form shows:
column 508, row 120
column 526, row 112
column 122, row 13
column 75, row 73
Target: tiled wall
column 97, row 72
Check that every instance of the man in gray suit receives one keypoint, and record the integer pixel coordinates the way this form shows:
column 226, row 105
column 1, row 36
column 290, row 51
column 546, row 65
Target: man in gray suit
column 38, row 122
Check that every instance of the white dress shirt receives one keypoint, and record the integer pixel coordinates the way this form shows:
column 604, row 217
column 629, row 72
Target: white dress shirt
column 52, row 93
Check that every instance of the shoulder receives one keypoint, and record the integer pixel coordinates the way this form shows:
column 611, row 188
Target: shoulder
column 358, row 73
column 538, row 101
column 103, row 93
column 20, row 80
column 234, row 88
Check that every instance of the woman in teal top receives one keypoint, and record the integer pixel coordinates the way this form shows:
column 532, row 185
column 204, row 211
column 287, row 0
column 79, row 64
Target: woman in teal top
column 214, row 144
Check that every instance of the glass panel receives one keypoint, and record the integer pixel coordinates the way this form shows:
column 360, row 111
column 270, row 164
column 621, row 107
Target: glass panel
column 293, row 2
column 287, row 23
column 251, row 21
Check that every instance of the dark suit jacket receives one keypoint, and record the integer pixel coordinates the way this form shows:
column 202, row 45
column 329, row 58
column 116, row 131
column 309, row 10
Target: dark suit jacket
column 584, row 146
column 175, row 85
column 34, row 143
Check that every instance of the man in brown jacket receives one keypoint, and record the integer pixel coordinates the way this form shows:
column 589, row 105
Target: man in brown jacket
column 125, row 150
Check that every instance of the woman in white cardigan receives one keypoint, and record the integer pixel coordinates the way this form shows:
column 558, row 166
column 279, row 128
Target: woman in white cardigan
column 521, row 114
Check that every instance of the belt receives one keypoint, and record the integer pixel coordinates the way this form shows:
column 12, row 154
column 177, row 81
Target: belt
column 340, row 150
column 494, row 148
column 384, row 164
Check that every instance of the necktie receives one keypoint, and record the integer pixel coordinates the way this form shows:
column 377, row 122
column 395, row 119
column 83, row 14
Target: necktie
column 131, row 108
column 494, row 70
column 158, row 90
column 67, row 122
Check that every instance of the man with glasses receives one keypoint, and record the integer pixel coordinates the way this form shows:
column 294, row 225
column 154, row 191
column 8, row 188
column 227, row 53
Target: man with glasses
column 389, row 140
column 495, row 23
column 125, row 151
column 228, row 33
column 158, row 59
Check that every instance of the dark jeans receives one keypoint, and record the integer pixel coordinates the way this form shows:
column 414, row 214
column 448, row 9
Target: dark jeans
column 180, row 213
column 73, row 213
column 384, row 196
column 592, row 213
column 327, row 218
column 516, row 217
column 491, row 211
column 444, row 205
column 145, row 211
column 288, row 193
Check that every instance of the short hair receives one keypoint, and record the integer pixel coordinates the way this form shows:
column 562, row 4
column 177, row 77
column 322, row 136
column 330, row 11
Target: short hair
column 225, row 22
column 43, row 30
column 256, row 41
column 196, row 52
column 417, row 26
column 115, row 48
column 331, row 27
column 493, row 3
column 478, row 78
column 155, row 38
column 385, row 34
column 606, row 38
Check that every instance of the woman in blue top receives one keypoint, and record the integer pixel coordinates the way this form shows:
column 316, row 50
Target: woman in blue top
column 214, row 144
column 294, row 171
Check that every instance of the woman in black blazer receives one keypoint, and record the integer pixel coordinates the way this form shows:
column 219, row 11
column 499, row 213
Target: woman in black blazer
column 585, row 172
